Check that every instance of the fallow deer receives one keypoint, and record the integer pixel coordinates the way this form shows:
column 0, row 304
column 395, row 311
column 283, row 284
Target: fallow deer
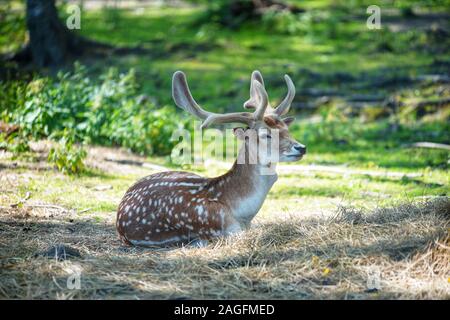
column 177, row 207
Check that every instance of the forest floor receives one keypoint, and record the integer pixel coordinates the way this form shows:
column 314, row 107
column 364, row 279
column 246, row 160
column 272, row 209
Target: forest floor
column 303, row 245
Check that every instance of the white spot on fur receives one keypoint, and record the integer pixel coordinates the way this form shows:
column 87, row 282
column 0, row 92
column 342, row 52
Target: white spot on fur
column 200, row 210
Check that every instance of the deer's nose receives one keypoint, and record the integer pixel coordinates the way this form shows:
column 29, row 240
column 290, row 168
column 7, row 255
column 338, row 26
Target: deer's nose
column 300, row 148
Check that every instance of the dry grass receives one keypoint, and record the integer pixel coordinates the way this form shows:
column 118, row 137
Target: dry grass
column 408, row 246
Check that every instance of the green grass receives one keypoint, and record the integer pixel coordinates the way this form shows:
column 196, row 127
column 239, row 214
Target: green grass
column 219, row 61
column 321, row 188
column 374, row 144
column 333, row 40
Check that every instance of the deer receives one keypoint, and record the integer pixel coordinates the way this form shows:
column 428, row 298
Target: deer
column 176, row 207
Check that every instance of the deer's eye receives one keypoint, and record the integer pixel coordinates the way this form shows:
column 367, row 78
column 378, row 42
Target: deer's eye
column 268, row 136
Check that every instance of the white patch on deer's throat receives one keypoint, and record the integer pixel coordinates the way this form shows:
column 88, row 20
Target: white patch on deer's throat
column 247, row 207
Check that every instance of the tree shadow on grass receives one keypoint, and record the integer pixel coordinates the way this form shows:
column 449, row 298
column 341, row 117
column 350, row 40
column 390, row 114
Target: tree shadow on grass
column 259, row 265
column 107, row 270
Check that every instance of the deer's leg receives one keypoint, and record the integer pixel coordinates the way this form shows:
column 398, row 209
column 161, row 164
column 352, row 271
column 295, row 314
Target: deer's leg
column 233, row 228
column 199, row 243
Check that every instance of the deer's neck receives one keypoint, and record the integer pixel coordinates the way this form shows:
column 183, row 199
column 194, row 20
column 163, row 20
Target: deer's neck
column 245, row 187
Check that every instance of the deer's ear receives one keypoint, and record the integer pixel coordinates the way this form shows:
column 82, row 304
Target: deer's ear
column 239, row 133
column 288, row 120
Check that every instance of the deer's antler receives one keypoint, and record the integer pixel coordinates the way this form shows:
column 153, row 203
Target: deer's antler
column 282, row 108
column 254, row 100
column 183, row 99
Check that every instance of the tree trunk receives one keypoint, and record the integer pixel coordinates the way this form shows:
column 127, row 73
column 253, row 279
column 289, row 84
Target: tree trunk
column 50, row 41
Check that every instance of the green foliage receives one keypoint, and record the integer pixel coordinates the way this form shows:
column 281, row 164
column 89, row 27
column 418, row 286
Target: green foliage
column 282, row 21
column 15, row 143
column 236, row 13
column 316, row 47
column 229, row 13
column 12, row 27
column 350, row 141
column 108, row 111
column 67, row 157
column 12, row 97
column 73, row 108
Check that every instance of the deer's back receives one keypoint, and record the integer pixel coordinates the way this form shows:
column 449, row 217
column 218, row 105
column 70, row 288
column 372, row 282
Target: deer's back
column 170, row 207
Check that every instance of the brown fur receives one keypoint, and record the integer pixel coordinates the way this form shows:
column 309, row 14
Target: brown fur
column 178, row 207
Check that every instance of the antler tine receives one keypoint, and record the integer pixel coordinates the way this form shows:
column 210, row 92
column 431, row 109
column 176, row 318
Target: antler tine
column 263, row 101
column 284, row 106
column 183, row 97
column 252, row 103
column 239, row 117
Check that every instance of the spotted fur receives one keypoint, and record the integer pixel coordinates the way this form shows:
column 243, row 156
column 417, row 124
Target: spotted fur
column 177, row 207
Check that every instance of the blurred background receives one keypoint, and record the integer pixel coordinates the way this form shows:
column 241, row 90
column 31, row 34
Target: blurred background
column 364, row 96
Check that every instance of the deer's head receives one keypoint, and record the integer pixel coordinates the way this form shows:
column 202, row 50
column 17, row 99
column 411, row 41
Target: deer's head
column 263, row 126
